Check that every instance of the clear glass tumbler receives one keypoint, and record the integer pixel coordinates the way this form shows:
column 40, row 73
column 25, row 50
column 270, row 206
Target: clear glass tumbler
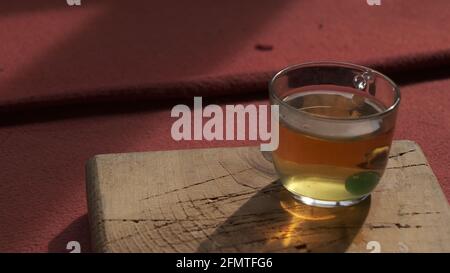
column 336, row 126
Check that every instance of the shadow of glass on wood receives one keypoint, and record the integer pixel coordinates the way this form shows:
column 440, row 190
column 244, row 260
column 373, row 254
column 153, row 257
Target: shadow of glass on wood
column 272, row 221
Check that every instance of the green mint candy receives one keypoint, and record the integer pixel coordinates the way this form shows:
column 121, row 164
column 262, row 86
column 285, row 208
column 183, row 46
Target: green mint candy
column 362, row 183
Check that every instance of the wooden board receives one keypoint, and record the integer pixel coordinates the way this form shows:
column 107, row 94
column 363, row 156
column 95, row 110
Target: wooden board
column 229, row 200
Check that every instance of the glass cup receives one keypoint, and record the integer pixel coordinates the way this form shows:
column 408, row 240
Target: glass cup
column 335, row 132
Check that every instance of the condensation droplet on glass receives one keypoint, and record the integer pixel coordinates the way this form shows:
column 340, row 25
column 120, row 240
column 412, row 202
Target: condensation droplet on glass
column 368, row 76
column 360, row 82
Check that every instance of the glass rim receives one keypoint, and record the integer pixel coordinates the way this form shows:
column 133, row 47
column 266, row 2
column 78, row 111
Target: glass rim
column 290, row 68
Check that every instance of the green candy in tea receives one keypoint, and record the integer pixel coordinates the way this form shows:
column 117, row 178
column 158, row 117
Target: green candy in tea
column 362, row 183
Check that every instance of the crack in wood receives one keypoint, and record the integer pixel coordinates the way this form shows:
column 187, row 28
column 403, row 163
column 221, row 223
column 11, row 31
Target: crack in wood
column 301, row 246
column 229, row 231
column 222, row 197
column 371, row 226
column 131, row 235
column 232, row 223
column 418, row 213
column 225, row 197
column 192, row 219
column 406, row 166
column 394, row 225
column 128, row 236
column 402, row 153
column 183, row 224
column 202, row 229
column 137, row 220
column 234, row 178
column 195, row 184
column 233, row 232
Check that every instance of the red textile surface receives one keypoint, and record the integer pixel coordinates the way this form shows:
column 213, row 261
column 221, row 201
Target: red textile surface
column 79, row 81
column 103, row 50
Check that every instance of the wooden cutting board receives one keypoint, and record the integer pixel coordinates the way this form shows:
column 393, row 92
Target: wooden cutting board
column 229, row 200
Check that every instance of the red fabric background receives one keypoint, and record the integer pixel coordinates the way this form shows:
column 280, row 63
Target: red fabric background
column 79, row 81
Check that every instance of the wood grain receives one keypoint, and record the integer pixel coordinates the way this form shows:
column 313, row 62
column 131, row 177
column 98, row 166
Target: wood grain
column 229, row 200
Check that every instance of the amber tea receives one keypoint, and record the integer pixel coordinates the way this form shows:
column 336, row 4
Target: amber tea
column 335, row 131
column 326, row 168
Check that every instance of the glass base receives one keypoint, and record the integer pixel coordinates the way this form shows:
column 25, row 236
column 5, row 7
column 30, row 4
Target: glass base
column 327, row 204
